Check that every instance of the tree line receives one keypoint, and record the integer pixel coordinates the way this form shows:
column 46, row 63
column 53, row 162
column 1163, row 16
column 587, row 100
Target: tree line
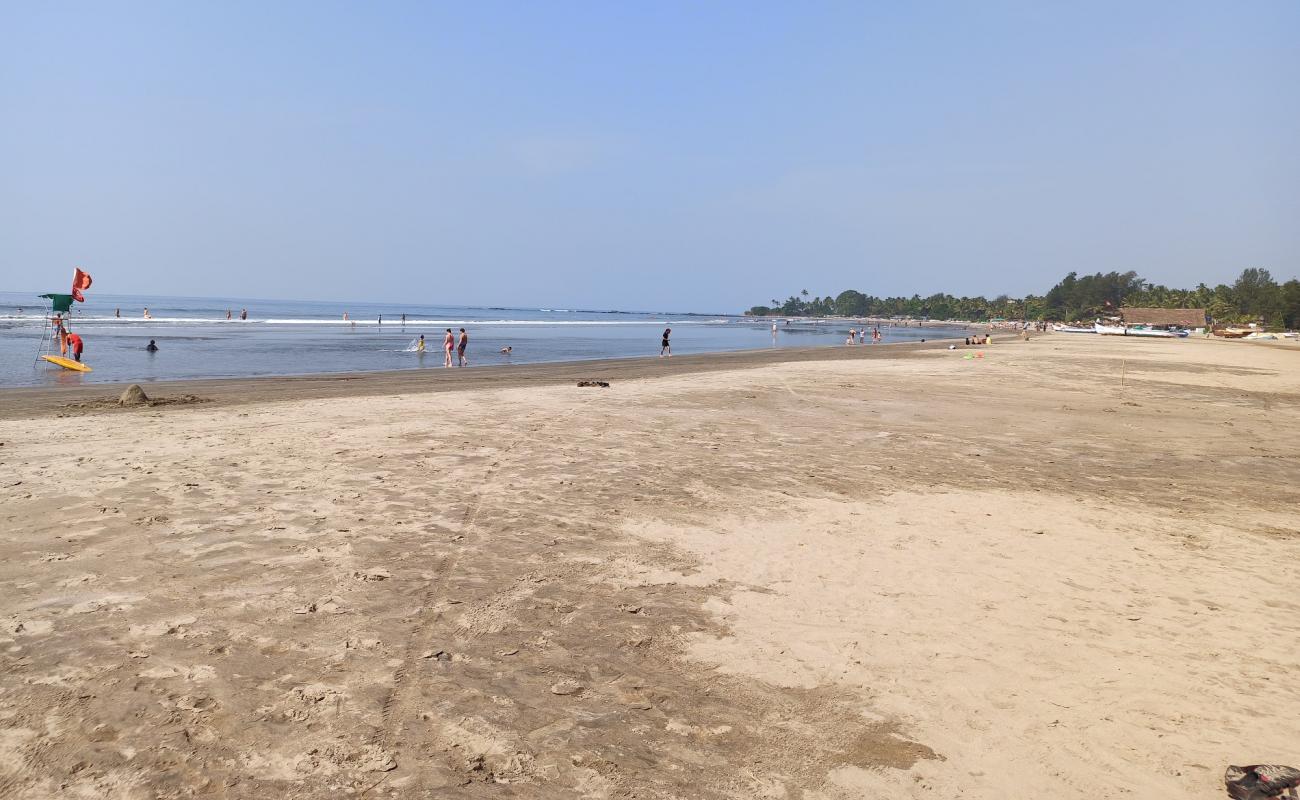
column 1254, row 296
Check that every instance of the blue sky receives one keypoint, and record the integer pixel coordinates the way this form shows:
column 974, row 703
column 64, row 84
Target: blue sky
column 688, row 156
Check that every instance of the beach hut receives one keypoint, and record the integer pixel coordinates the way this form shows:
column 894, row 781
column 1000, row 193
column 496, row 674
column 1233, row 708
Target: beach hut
column 1164, row 317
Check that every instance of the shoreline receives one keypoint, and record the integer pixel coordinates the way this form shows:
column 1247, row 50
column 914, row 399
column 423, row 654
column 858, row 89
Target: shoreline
column 28, row 402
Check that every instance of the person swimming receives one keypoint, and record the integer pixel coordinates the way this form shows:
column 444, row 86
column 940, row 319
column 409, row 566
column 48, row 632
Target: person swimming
column 507, row 350
column 152, row 347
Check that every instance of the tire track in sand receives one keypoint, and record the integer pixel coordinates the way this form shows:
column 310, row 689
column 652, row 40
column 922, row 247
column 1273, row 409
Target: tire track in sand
column 398, row 705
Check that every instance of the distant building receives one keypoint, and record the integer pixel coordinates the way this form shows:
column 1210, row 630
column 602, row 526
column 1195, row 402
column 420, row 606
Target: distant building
column 1164, row 317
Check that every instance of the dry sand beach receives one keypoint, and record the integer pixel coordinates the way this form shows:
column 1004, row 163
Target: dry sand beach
column 881, row 573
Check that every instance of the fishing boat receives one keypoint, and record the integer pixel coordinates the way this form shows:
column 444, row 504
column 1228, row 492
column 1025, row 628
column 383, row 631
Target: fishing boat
column 1233, row 333
column 1109, row 330
column 1071, row 329
column 1142, row 330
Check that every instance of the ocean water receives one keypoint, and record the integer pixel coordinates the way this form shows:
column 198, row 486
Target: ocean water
column 289, row 337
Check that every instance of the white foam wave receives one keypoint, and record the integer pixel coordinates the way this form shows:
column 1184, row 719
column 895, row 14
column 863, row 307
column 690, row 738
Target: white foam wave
column 77, row 319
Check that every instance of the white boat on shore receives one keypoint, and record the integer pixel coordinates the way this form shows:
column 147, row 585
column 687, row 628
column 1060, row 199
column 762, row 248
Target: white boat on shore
column 1154, row 332
column 1071, row 329
column 1121, row 330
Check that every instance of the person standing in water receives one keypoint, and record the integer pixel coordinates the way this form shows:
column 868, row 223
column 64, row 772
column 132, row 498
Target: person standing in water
column 228, row 314
column 147, row 315
column 460, row 348
column 75, row 346
column 448, row 342
column 243, row 313
column 117, row 313
column 403, row 319
column 419, row 347
column 381, row 319
column 152, row 347
column 665, row 346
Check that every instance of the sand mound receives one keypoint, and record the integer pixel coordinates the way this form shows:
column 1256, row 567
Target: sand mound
column 133, row 396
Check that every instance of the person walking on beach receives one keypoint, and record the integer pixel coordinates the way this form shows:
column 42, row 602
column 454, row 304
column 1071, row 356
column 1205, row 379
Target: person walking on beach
column 460, row 348
column 381, row 319
column 665, row 346
column 448, row 342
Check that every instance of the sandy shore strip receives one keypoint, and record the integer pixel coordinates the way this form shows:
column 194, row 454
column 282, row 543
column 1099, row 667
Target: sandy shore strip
column 27, row 401
column 1064, row 568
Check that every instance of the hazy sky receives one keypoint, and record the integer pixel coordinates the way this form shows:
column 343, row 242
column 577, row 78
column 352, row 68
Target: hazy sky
column 652, row 155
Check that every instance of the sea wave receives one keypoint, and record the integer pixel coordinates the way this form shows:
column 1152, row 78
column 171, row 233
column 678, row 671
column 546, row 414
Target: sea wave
column 373, row 323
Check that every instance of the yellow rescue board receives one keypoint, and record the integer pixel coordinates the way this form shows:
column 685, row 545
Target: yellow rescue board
column 68, row 363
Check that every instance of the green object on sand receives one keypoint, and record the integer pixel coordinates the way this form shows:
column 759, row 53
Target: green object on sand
column 62, row 302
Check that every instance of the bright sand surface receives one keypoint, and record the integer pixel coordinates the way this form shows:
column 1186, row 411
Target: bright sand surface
column 909, row 576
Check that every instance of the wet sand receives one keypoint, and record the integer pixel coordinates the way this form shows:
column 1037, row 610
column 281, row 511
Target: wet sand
column 1063, row 568
column 20, row 402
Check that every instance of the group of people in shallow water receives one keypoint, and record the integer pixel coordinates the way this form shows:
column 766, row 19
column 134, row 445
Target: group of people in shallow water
column 449, row 342
column 243, row 313
column 856, row 336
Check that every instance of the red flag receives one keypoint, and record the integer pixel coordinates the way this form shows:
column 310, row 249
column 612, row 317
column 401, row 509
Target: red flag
column 80, row 280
